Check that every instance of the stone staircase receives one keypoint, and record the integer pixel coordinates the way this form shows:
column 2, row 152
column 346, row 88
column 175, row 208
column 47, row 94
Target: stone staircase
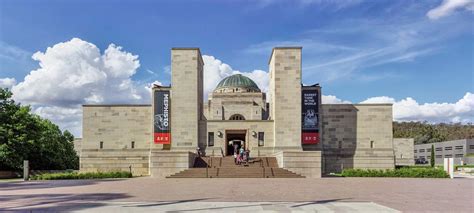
column 224, row 167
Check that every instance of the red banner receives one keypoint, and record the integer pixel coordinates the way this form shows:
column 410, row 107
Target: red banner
column 310, row 137
column 162, row 138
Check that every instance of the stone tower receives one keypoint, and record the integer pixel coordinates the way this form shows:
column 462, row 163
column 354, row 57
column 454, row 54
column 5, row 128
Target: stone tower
column 186, row 98
column 285, row 95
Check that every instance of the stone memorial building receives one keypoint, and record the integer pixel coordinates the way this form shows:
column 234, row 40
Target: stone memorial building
column 286, row 129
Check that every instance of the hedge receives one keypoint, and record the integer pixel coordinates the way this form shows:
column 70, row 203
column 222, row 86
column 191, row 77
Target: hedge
column 464, row 166
column 402, row 172
column 86, row 175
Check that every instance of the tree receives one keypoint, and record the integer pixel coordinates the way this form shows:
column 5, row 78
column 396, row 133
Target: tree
column 26, row 136
column 432, row 158
column 424, row 132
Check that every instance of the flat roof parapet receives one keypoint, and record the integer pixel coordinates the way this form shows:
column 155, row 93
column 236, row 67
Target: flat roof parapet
column 282, row 48
column 116, row 105
column 185, row 48
column 374, row 104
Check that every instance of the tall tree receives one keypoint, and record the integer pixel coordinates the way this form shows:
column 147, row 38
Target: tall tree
column 26, row 136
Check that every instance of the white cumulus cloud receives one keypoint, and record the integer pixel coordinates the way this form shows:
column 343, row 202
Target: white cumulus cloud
column 409, row 109
column 447, row 7
column 331, row 99
column 75, row 72
column 7, row 82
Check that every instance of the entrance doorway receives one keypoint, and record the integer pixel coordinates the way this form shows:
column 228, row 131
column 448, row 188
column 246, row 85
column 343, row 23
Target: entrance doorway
column 234, row 139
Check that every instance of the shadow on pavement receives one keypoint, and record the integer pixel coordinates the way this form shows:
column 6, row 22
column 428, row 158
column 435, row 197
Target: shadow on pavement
column 168, row 203
column 319, row 202
column 19, row 185
column 56, row 202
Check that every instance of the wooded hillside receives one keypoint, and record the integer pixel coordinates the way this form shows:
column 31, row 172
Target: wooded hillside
column 424, row 132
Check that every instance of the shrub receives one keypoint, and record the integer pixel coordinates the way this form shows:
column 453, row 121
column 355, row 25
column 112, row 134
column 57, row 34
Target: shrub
column 402, row 172
column 76, row 175
column 463, row 166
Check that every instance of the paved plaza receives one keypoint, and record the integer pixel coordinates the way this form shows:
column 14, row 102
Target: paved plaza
column 236, row 195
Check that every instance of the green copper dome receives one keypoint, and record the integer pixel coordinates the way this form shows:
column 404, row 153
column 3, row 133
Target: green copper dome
column 237, row 83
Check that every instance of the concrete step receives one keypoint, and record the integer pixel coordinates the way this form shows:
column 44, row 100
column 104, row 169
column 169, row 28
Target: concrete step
column 238, row 172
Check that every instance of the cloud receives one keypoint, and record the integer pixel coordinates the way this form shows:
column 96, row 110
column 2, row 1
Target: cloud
column 7, row 82
column 409, row 109
column 379, row 100
column 355, row 49
column 149, row 86
column 331, row 99
column 215, row 70
column 68, row 118
column 333, row 5
column 447, row 7
column 75, row 72
column 13, row 53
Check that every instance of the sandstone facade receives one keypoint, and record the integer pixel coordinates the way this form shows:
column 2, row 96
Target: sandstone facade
column 120, row 137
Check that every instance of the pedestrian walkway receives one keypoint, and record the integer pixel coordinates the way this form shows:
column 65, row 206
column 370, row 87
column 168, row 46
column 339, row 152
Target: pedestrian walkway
column 319, row 206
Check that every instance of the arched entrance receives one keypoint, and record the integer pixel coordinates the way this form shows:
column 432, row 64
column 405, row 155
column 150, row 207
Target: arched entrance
column 234, row 138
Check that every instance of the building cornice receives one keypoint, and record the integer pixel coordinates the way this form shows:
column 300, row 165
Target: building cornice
column 116, row 105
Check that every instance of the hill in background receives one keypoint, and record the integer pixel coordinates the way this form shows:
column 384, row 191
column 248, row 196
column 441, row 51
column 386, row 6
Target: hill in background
column 424, row 132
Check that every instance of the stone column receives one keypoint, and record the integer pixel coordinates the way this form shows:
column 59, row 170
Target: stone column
column 285, row 91
column 186, row 98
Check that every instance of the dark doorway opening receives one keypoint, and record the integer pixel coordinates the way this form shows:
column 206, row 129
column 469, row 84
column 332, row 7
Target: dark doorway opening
column 235, row 139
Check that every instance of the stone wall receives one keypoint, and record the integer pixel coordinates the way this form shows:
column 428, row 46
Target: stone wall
column 357, row 136
column 166, row 163
column 107, row 160
column 77, row 145
column 306, row 163
column 403, row 149
column 116, row 126
column 285, row 92
column 186, row 97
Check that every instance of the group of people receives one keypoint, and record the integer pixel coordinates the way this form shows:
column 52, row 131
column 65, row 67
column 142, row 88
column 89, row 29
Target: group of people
column 241, row 155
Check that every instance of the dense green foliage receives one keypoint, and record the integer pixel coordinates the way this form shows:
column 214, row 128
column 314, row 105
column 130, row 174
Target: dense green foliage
column 424, row 132
column 402, row 172
column 87, row 175
column 26, row 136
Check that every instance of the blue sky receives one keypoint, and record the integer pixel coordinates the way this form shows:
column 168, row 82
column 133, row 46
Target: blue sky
column 356, row 49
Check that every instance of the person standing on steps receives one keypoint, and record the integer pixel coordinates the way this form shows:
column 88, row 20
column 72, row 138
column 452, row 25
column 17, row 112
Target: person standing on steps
column 236, row 148
column 247, row 156
column 241, row 153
